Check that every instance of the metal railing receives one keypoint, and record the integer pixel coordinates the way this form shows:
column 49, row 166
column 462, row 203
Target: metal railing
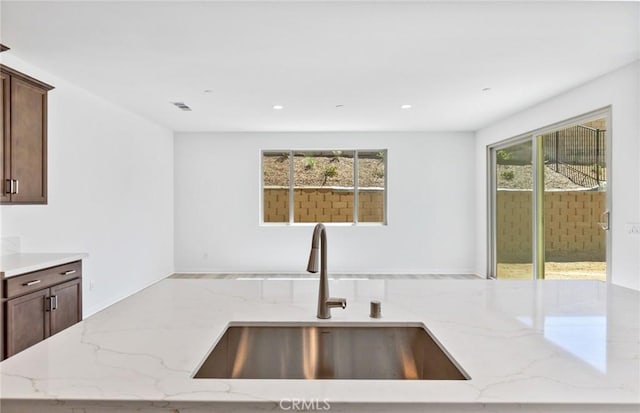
column 577, row 152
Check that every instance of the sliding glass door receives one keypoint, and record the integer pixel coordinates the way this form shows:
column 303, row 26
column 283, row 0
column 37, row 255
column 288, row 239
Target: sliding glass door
column 575, row 201
column 548, row 202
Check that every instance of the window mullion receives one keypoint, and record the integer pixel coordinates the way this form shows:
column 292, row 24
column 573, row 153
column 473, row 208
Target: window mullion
column 355, row 187
column 291, row 185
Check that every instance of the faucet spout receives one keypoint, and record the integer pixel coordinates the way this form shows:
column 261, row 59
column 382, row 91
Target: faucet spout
column 318, row 261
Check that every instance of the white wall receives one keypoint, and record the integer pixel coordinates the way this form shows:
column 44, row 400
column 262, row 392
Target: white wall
column 110, row 193
column 621, row 90
column 431, row 232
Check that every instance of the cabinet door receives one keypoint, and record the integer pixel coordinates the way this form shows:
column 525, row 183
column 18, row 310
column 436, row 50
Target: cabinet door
column 5, row 149
column 27, row 321
column 28, row 131
column 67, row 305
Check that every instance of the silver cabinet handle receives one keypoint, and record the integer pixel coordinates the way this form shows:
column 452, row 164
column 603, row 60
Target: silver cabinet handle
column 11, row 186
column 54, row 302
column 30, row 283
column 69, row 272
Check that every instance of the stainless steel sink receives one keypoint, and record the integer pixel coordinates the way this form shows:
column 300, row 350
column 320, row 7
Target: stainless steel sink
column 377, row 352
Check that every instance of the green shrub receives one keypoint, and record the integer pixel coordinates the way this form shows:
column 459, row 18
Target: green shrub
column 309, row 162
column 507, row 175
column 502, row 156
column 331, row 171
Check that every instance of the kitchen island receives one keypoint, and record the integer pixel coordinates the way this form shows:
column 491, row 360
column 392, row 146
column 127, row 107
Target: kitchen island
column 530, row 346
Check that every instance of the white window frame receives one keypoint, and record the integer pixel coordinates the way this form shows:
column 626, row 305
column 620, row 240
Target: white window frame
column 355, row 221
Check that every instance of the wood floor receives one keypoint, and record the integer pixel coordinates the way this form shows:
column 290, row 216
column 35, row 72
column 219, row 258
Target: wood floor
column 280, row 276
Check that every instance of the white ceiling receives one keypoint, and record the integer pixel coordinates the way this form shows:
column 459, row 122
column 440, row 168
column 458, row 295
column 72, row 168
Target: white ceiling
column 311, row 56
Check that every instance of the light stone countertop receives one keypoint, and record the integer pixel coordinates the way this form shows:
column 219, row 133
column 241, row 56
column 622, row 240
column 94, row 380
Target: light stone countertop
column 22, row 263
column 570, row 346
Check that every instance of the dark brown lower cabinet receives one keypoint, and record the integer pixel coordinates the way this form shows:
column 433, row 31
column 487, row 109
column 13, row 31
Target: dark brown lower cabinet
column 35, row 315
column 28, row 321
column 67, row 305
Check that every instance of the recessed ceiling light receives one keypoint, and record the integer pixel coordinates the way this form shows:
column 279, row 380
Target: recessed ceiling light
column 406, row 107
column 278, row 107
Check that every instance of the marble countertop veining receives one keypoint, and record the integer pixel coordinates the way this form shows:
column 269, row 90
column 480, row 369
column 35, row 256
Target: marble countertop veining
column 21, row 263
column 549, row 343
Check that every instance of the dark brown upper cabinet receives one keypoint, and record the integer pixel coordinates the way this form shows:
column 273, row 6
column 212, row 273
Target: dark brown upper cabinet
column 23, row 120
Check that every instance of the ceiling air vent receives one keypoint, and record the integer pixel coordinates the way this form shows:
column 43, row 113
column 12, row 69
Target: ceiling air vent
column 181, row 106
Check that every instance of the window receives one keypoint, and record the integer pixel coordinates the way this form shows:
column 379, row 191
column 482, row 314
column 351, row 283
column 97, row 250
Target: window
column 329, row 186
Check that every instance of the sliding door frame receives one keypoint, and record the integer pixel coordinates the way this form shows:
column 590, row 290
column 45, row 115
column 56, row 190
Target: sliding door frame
column 537, row 159
column 492, row 186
